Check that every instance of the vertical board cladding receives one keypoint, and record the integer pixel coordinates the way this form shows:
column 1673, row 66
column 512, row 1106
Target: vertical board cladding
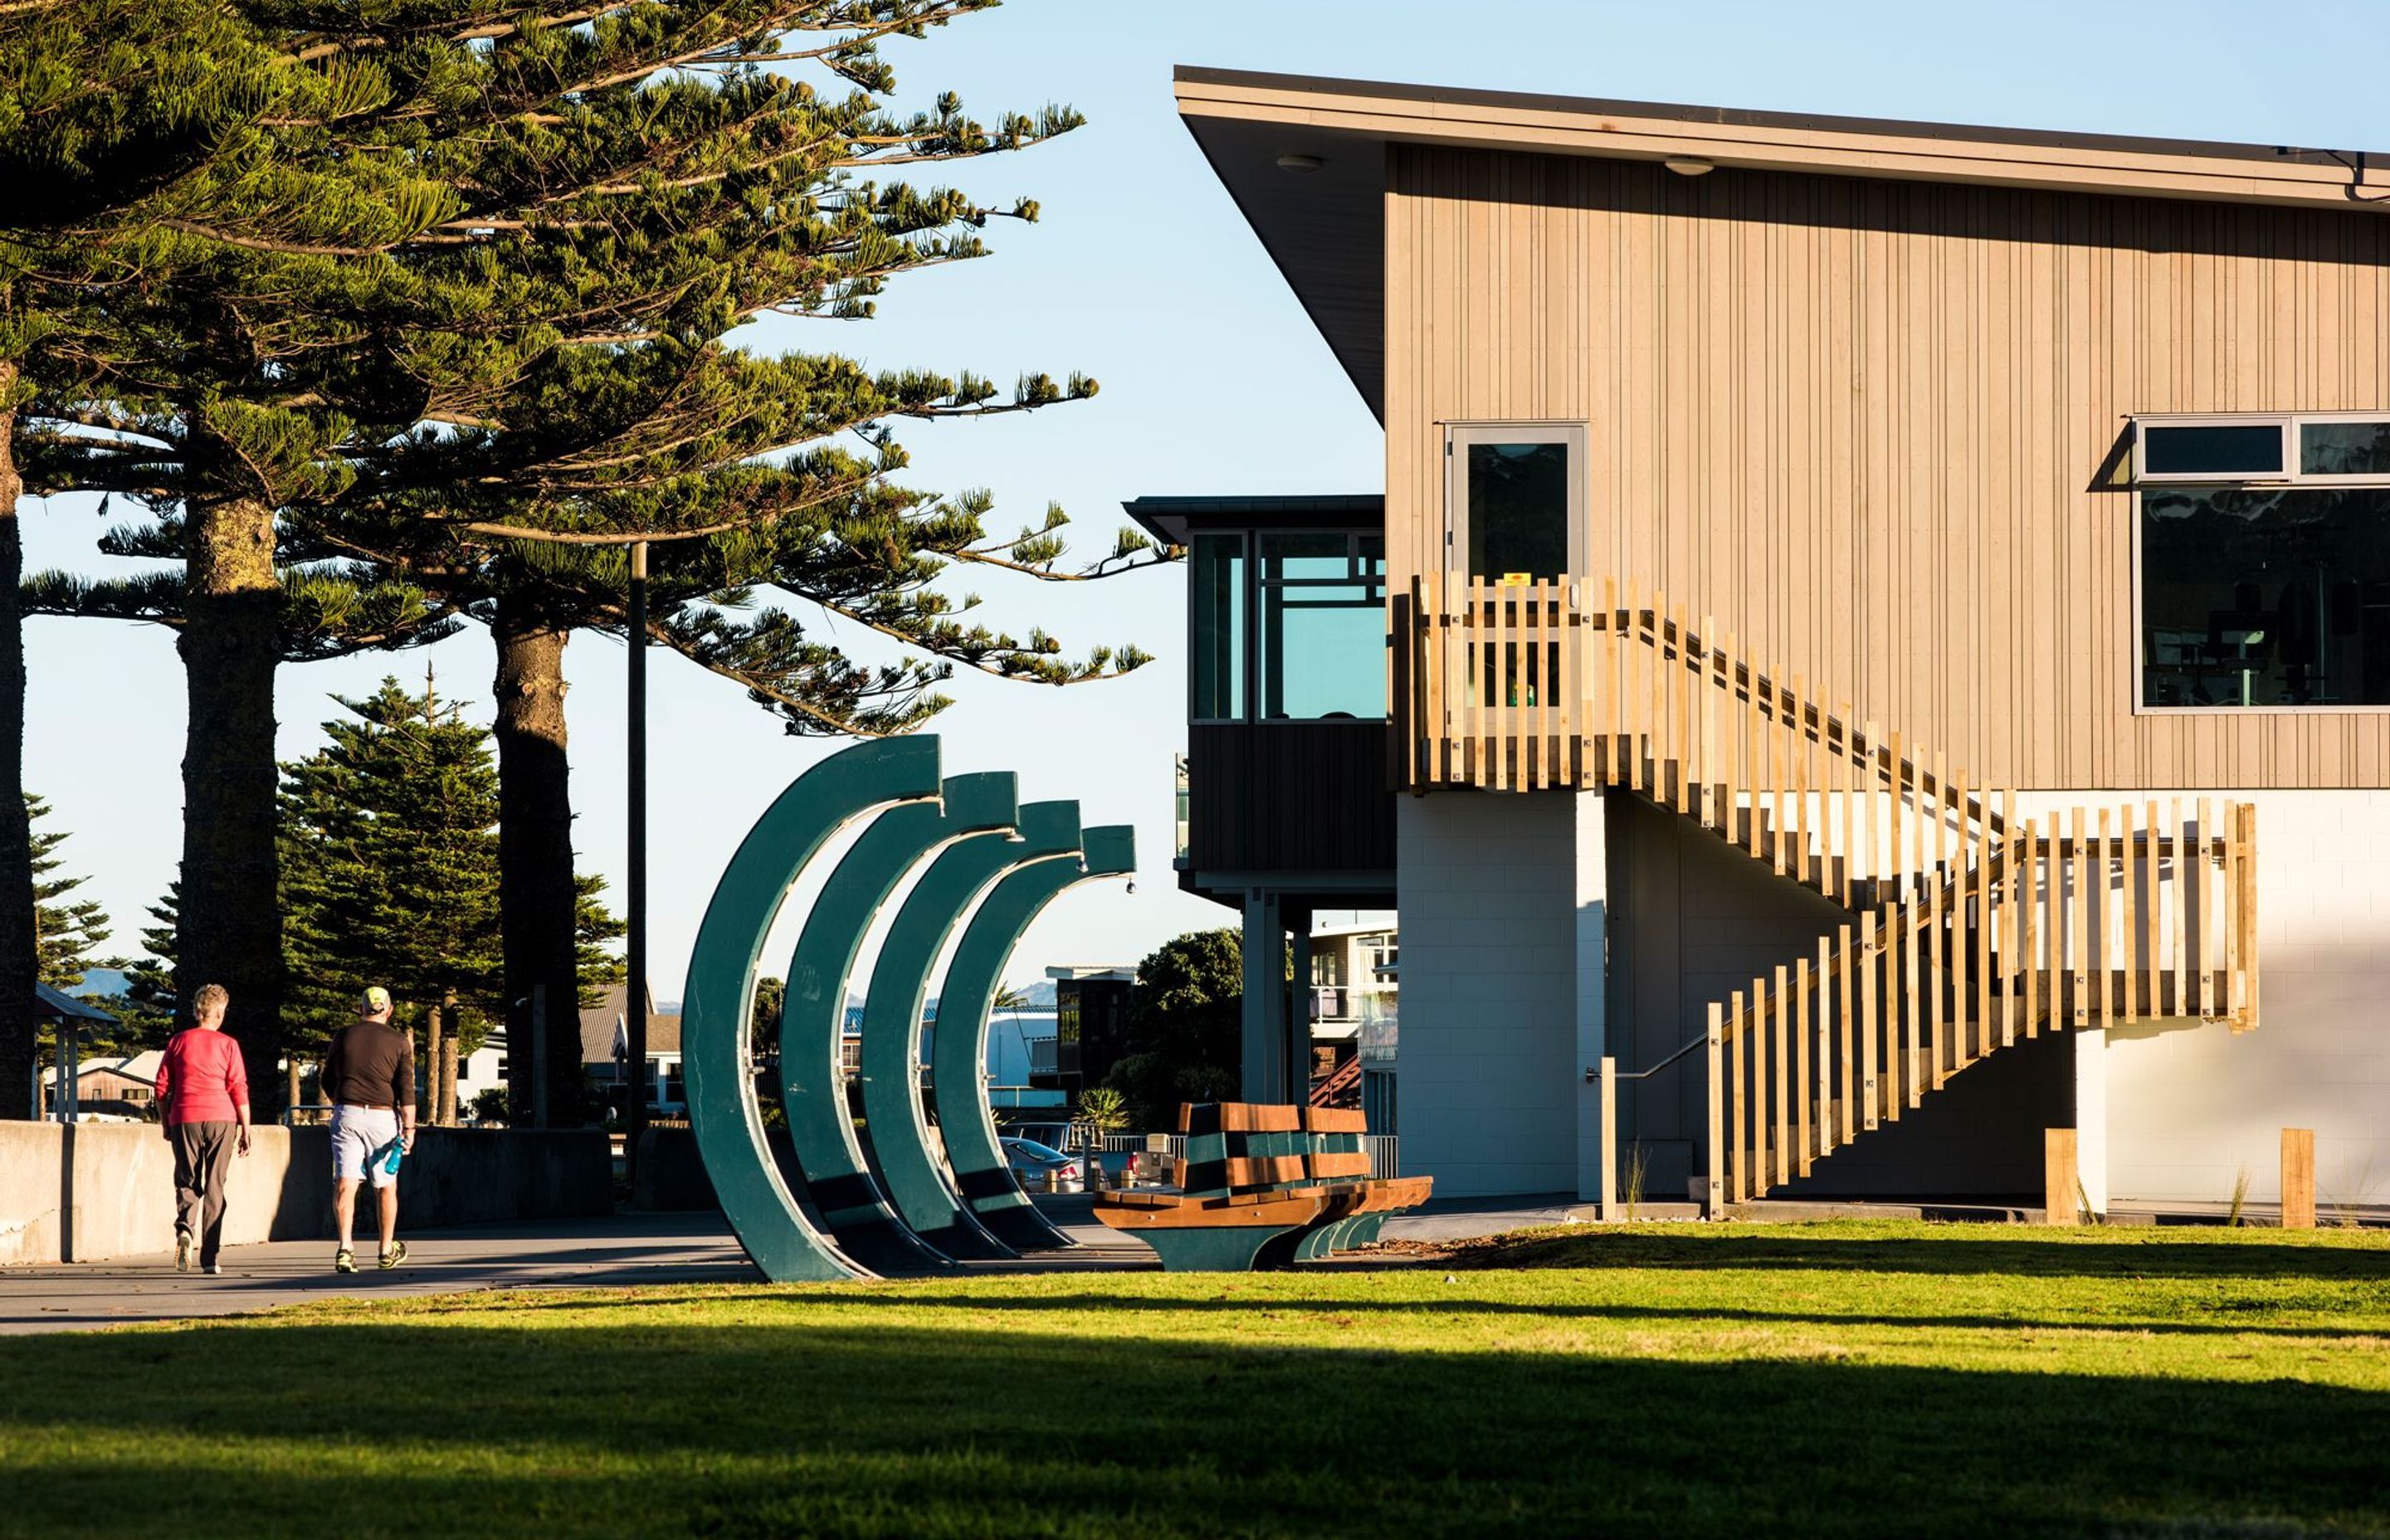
column 1869, row 424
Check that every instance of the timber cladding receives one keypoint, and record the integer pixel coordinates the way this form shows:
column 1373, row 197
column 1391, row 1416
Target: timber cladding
column 1866, row 422
column 1290, row 796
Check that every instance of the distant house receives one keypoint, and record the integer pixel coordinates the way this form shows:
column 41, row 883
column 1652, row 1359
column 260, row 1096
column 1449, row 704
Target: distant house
column 109, row 1084
column 605, row 1045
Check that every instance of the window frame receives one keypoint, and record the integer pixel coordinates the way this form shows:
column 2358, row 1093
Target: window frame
column 2291, row 478
column 2287, row 423
column 1249, row 540
column 1460, row 432
column 1244, row 539
column 1255, row 583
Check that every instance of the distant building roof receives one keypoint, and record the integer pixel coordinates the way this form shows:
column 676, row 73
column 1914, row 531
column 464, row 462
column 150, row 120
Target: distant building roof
column 598, row 1021
column 1120, row 972
column 1173, row 519
column 50, row 1003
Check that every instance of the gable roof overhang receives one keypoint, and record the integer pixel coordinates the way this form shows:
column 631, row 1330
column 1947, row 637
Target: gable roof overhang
column 1325, row 228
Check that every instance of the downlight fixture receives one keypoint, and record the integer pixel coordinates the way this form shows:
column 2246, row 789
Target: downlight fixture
column 1303, row 163
column 1690, row 165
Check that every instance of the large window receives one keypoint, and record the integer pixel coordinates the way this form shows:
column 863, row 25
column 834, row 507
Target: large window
column 1218, row 606
column 1300, row 634
column 1323, row 625
column 2265, row 561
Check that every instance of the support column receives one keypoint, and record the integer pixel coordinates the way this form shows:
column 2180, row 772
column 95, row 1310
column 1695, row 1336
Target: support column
column 1592, row 923
column 1265, row 1057
column 1297, row 928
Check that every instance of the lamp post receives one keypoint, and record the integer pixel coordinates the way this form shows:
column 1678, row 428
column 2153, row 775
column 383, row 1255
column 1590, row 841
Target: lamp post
column 635, row 1003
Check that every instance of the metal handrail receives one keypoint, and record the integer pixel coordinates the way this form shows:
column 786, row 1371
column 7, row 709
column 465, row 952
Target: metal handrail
column 1593, row 1071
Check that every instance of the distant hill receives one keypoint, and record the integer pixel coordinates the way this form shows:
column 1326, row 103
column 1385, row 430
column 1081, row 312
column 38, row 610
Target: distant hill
column 1039, row 997
column 100, row 982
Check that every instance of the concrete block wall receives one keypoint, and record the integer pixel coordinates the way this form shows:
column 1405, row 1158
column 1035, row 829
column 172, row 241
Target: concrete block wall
column 1488, row 886
column 87, row 1192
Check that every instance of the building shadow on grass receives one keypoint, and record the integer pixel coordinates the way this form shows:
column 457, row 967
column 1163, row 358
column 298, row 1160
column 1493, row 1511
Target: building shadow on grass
column 657, row 1427
column 1969, row 1251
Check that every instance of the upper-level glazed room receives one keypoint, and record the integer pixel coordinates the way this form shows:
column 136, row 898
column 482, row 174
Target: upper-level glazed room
column 2069, row 453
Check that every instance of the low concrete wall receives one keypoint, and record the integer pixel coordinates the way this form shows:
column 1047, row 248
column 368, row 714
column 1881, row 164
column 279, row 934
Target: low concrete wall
column 86, row 1192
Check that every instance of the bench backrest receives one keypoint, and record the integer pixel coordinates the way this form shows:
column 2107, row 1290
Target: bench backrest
column 1236, row 1147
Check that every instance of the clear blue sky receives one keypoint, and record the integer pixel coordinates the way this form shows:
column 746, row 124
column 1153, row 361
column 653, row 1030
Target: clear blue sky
column 1142, row 274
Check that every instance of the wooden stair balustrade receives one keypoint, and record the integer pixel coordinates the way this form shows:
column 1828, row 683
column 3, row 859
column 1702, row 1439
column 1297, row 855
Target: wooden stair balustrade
column 1970, row 930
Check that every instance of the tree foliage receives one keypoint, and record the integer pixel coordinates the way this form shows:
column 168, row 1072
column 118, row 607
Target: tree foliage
column 390, row 869
column 1184, row 1041
column 68, row 930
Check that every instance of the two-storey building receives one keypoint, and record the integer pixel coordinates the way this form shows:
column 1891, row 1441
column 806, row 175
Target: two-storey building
column 1872, row 628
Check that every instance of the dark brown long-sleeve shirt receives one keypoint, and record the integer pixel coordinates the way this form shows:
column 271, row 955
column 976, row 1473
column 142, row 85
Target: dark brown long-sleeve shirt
column 370, row 1064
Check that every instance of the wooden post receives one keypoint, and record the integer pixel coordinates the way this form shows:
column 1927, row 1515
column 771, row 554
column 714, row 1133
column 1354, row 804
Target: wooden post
column 1715, row 1208
column 1607, row 1212
column 2058, row 1178
column 434, row 1031
column 2298, row 1179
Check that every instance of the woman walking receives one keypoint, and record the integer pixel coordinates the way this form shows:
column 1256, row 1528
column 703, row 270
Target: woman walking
column 203, row 1088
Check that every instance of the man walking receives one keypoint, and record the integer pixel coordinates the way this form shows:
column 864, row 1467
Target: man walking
column 203, row 1091
column 369, row 1077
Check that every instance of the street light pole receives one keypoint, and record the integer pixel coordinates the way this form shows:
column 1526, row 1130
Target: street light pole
column 634, row 1116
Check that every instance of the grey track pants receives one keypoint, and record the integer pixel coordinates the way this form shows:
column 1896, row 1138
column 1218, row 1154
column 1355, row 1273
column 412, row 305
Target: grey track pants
column 202, row 1159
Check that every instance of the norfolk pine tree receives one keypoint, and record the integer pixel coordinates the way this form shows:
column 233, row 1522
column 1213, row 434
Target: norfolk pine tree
column 176, row 257
column 642, row 423
column 660, row 181
column 100, row 106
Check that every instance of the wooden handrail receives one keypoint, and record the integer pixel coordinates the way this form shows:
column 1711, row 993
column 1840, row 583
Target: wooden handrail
column 1524, row 687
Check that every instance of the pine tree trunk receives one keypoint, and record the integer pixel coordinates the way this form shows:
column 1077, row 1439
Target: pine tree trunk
column 536, row 902
column 447, row 1116
column 231, row 912
column 19, row 1050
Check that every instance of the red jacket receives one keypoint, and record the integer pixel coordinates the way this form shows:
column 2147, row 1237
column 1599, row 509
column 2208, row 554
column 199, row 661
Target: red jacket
column 200, row 1079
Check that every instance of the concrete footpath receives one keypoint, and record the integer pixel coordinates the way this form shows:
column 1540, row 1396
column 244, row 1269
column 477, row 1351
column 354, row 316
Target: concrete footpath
column 621, row 1251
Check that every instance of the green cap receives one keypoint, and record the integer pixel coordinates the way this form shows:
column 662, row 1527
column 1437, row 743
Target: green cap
column 376, row 1000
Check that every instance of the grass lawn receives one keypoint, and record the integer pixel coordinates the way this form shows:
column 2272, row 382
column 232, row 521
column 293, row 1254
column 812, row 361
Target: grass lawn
column 1819, row 1380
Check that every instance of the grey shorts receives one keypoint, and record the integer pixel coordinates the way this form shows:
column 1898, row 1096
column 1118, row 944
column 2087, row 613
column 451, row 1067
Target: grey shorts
column 358, row 1134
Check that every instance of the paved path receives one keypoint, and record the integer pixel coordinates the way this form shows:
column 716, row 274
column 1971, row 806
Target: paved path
column 623, row 1251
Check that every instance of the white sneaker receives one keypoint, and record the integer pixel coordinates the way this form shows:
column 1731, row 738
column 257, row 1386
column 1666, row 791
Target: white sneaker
column 214, row 1269
column 182, row 1250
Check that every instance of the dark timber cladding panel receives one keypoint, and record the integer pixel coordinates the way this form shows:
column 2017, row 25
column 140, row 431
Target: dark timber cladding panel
column 1858, row 421
column 1290, row 796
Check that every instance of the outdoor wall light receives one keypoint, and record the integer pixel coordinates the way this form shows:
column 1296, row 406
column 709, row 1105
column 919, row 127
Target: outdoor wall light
column 1300, row 163
column 1688, row 165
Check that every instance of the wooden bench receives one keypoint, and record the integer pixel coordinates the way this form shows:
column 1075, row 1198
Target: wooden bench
column 1262, row 1186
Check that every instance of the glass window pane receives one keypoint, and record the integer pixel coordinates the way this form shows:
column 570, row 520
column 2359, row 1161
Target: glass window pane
column 1218, row 564
column 2228, row 450
column 1323, row 652
column 1373, row 554
column 1518, row 511
column 2266, row 596
column 2345, row 448
column 1305, row 555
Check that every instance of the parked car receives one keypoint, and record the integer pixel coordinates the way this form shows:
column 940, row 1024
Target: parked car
column 1042, row 1168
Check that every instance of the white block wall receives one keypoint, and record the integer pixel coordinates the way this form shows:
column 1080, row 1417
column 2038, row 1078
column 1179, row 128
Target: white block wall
column 2191, row 1109
column 1487, row 885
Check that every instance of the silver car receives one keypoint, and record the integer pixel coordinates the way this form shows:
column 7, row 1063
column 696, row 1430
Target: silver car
column 1042, row 1168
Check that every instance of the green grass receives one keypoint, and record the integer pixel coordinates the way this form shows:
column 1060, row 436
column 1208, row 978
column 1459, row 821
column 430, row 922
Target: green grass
column 1819, row 1380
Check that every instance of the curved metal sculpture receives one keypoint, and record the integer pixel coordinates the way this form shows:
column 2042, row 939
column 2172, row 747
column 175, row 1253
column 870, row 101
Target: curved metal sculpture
column 975, row 1161
column 894, row 1126
column 723, row 1112
column 852, row 1206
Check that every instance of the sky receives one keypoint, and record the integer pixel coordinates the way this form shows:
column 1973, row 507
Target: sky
column 1142, row 273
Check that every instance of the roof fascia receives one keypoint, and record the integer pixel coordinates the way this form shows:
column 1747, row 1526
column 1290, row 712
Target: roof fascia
column 1846, row 147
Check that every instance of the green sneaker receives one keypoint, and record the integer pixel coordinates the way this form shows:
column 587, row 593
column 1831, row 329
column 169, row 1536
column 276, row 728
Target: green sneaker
column 396, row 1254
column 345, row 1261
